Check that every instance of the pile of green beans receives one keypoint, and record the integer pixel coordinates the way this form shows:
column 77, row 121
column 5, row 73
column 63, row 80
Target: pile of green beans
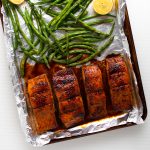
column 80, row 35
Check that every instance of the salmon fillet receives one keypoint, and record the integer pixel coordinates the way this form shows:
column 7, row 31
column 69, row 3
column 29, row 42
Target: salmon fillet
column 72, row 118
column 66, row 87
column 121, row 98
column 70, row 105
column 39, row 90
column 45, row 118
column 119, row 83
column 95, row 95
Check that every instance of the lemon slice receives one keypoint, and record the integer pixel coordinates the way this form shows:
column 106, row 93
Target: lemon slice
column 17, row 2
column 103, row 7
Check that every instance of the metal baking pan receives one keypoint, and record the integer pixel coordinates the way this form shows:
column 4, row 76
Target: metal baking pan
column 134, row 59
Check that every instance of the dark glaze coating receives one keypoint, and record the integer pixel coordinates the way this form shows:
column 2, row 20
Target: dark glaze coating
column 42, row 103
column 39, row 91
column 45, row 118
column 95, row 95
column 119, row 83
column 66, row 87
column 101, row 88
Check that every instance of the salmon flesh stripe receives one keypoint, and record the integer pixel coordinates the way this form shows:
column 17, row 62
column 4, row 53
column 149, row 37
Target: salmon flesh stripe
column 95, row 95
column 66, row 87
column 119, row 83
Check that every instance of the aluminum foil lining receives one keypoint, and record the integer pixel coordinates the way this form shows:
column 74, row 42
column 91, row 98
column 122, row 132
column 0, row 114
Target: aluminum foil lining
column 120, row 45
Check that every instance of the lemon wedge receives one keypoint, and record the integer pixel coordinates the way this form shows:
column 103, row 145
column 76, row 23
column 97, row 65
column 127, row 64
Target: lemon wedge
column 116, row 4
column 17, row 2
column 103, row 7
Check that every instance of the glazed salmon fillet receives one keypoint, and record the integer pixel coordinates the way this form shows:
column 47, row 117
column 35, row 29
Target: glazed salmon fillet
column 95, row 95
column 66, row 87
column 72, row 118
column 45, row 118
column 74, row 104
column 42, row 103
column 119, row 83
column 39, row 90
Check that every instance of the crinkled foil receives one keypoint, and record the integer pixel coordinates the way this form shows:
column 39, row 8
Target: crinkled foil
column 120, row 45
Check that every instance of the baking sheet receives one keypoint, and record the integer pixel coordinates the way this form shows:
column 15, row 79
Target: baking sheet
column 135, row 116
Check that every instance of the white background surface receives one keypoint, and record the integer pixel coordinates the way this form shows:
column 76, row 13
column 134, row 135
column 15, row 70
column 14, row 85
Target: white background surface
column 133, row 138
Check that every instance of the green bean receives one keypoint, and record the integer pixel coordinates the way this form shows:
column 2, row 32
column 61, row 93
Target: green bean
column 90, row 17
column 59, row 57
column 44, row 50
column 70, row 29
column 67, row 47
column 28, row 25
column 98, row 52
column 88, row 36
column 42, row 2
column 85, row 25
column 112, row 29
column 46, row 61
column 91, row 28
column 95, row 16
column 45, row 26
column 71, row 60
column 51, row 12
column 84, row 14
column 42, row 44
column 22, row 65
column 13, row 42
column 91, row 39
column 75, row 44
column 34, row 28
column 76, row 51
column 53, row 36
column 20, row 29
column 16, row 32
column 84, row 9
column 35, row 44
column 52, row 4
column 67, row 13
column 60, row 61
column 80, row 6
column 74, row 59
column 29, row 54
column 37, row 41
column 70, row 48
column 83, row 46
column 81, row 37
column 98, row 22
column 74, row 34
column 104, row 34
column 55, row 2
column 50, row 58
column 57, row 18
column 62, row 3
column 71, row 23
column 88, row 27
column 80, row 51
